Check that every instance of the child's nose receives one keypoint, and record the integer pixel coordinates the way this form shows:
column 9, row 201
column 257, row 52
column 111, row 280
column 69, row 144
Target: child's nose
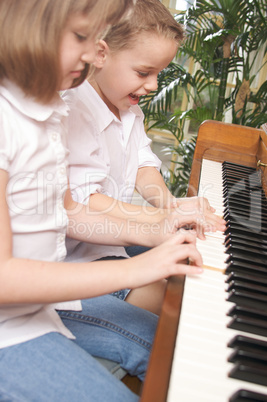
column 89, row 55
column 151, row 84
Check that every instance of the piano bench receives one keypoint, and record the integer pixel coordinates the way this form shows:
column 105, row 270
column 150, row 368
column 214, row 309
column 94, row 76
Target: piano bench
column 114, row 368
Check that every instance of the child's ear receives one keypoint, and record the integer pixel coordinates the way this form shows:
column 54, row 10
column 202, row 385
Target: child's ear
column 102, row 50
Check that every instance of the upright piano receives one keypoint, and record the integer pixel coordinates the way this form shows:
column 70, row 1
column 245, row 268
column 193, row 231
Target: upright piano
column 211, row 340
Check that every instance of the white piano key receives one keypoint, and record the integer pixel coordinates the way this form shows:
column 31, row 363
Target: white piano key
column 200, row 366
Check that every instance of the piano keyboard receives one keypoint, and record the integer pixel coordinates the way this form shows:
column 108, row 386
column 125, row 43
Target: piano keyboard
column 200, row 369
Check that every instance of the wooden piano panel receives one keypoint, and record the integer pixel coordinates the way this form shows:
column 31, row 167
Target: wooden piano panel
column 223, row 142
column 262, row 156
column 157, row 379
column 216, row 141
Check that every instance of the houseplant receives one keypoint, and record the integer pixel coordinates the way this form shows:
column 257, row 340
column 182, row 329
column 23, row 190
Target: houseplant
column 226, row 42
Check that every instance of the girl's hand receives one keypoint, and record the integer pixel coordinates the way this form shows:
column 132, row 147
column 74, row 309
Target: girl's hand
column 170, row 258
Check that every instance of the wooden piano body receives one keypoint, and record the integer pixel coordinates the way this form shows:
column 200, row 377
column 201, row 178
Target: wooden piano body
column 219, row 142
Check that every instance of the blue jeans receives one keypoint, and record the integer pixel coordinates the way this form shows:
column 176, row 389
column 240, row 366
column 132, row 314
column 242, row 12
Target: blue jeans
column 53, row 368
column 132, row 251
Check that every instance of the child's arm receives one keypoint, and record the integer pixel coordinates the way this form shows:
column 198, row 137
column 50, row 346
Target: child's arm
column 31, row 281
column 119, row 228
column 141, row 213
column 139, row 227
column 150, row 184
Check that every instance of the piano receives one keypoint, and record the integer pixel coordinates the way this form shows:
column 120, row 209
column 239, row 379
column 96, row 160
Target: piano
column 211, row 340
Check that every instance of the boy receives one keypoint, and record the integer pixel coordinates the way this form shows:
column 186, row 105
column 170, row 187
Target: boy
column 110, row 154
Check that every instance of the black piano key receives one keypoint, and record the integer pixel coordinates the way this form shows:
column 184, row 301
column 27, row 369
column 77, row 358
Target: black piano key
column 245, row 237
column 233, row 165
column 262, row 289
column 251, row 259
column 250, row 180
column 244, row 395
column 242, row 202
column 252, row 207
column 247, row 311
column 242, row 242
column 247, row 178
column 247, row 343
column 238, row 230
column 252, row 251
column 247, row 298
column 238, row 189
column 246, row 221
column 238, row 169
column 248, row 319
column 247, row 183
column 248, row 224
column 251, row 372
column 239, row 355
column 243, row 226
column 235, row 214
column 244, row 185
column 234, row 191
column 249, row 278
column 251, row 198
column 244, row 267
column 255, row 176
column 236, row 166
column 241, row 184
column 249, row 201
column 250, row 325
column 252, row 215
column 242, row 174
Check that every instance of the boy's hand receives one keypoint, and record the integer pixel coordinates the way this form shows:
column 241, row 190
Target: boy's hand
column 198, row 214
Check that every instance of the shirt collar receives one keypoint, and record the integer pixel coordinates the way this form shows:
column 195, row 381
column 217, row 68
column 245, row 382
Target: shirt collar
column 28, row 106
column 103, row 116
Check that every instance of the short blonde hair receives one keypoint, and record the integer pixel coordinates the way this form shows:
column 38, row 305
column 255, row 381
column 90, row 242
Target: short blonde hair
column 31, row 31
column 148, row 16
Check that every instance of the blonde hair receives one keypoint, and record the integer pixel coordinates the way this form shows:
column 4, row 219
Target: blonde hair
column 31, row 31
column 148, row 16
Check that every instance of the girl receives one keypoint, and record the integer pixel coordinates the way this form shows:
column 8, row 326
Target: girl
column 45, row 47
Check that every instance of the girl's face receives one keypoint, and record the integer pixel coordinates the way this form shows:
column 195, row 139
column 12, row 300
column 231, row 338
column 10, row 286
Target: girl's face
column 128, row 74
column 76, row 49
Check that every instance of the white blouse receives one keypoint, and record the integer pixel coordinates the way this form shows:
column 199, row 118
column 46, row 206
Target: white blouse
column 33, row 152
column 105, row 155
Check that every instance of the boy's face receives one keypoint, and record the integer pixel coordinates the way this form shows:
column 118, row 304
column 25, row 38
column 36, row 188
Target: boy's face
column 77, row 48
column 128, row 74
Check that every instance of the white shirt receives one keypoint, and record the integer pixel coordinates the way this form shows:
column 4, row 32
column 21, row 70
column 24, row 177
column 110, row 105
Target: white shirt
column 105, row 155
column 33, row 153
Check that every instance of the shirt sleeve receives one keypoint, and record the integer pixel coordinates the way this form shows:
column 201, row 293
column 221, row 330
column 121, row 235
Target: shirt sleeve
column 145, row 155
column 6, row 141
column 84, row 146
